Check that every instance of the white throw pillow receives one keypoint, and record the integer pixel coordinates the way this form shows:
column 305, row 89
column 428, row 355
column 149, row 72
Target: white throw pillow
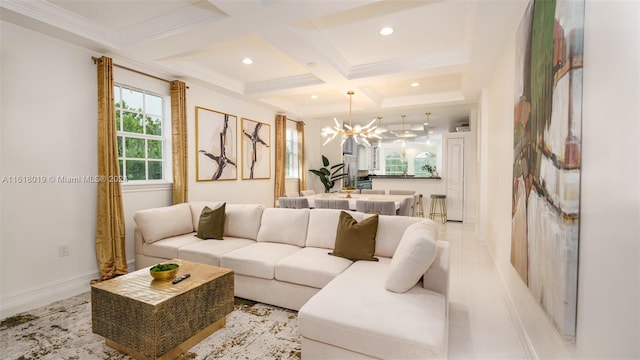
column 415, row 254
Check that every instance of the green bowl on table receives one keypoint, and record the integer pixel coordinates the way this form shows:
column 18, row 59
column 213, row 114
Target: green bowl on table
column 164, row 271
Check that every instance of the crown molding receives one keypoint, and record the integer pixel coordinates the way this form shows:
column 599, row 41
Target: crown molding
column 50, row 14
column 419, row 62
column 282, row 83
column 417, row 100
column 170, row 24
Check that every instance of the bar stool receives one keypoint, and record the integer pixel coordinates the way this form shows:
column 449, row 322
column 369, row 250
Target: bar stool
column 438, row 207
column 419, row 207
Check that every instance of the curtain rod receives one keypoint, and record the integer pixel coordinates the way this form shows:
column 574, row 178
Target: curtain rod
column 95, row 60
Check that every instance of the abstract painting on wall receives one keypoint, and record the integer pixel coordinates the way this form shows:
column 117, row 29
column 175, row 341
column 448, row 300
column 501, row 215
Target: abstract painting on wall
column 256, row 153
column 215, row 145
column 547, row 160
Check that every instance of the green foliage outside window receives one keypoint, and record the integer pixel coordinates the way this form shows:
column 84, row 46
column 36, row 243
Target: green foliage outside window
column 423, row 162
column 139, row 126
column 395, row 164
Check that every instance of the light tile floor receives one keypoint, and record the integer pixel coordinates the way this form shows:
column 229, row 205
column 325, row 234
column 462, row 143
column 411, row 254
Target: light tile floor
column 480, row 326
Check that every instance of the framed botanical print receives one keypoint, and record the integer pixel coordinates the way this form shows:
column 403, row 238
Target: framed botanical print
column 216, row 147
column 256, row 152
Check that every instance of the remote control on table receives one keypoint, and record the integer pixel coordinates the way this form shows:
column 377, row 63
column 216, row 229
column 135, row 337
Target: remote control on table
column 180, row 278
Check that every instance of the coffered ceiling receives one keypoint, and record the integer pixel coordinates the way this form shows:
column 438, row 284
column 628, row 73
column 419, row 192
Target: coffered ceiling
column 301, row 48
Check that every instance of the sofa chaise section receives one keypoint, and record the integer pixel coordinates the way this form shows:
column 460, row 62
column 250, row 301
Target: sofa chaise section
column 355, row 317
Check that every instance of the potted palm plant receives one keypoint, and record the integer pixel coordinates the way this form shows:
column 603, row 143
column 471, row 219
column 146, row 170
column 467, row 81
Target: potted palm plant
column 430, row 169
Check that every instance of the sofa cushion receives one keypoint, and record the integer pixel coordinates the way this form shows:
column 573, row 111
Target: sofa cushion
column 210, row 252
column 310, row 266
column 168, row 248
column 257, row 260
column 197, row 207
column 415, row 253
column 164, row 222
column 390, row 230
column 356, row 240
column 243, row 220
column 323, row 224
column 211, row 224
column 287, row 226
column 355, row 312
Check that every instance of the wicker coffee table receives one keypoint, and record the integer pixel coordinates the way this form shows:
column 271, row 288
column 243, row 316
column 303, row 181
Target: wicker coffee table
column 151, row 319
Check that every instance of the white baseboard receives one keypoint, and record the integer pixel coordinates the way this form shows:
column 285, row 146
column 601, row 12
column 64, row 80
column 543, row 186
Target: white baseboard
column 521, row 331
column 36, row 297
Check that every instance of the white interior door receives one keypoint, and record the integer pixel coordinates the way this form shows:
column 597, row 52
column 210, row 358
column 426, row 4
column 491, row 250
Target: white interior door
column 455, row 178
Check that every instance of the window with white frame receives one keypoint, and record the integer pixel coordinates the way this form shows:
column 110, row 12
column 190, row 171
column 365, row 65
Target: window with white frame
column 141, row 123
column 423, row 159
column 375, row 158
column 395, row 164
column 292, row 153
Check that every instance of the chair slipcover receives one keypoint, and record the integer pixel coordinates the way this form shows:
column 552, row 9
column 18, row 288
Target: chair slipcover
column 401, row 192
column 331, row 204
column 293, row 202
column 369, row 191
column 407, row 206
column 380, row 207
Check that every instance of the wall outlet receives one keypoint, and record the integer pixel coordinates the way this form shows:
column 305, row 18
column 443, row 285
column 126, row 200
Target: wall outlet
column 63, row 250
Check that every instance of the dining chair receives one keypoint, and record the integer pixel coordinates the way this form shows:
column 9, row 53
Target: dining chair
column 370, row 191
column 407, row 206
column 307, row 192
column 402, row 192
column 331, row 204
column 378, row 207
column 293, row 203
column 292, row 195
column 417, row 206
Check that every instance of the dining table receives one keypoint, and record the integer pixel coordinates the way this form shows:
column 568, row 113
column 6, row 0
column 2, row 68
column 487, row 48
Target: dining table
column 397, row 199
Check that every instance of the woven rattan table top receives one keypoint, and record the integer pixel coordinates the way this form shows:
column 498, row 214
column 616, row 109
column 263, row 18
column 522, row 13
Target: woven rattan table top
column 139, row 285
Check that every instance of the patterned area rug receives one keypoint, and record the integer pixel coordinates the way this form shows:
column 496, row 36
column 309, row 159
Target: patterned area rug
column 62, row 330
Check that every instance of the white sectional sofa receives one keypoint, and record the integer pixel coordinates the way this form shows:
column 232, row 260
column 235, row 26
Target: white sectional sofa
column 281, row 257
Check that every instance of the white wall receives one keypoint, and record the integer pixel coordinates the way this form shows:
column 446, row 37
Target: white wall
column 608, row 320
column 609, row 273
column 49, row 128
column 234, row 191
column 314, row 150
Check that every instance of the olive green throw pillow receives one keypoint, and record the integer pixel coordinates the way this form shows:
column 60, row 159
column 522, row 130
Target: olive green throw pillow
column 211, row 224
column 356, row 240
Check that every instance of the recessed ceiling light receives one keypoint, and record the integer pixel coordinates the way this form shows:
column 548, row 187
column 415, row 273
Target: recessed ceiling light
column 247, row 61
column 415, row 84
column 386, row 31
column 313, row 97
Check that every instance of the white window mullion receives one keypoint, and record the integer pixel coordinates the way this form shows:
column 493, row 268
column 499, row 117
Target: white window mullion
column 140, row 109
